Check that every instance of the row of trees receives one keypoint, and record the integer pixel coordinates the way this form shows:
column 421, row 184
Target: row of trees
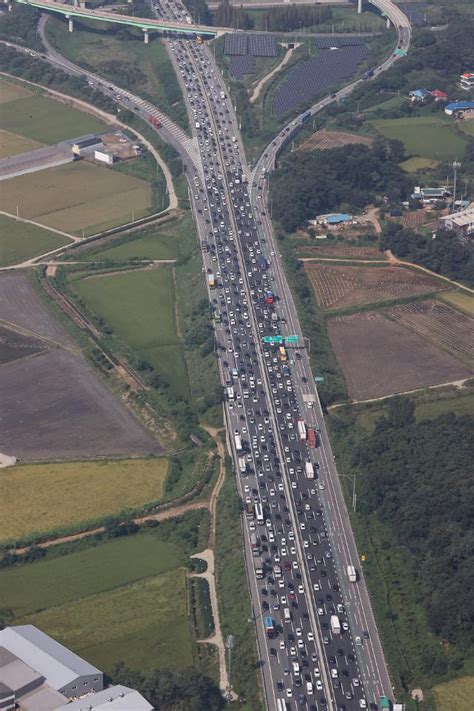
column 308, row 184
column 292, row 17
column 228, row 15
column 444, row 254
column 172, row 689
column 418, row 480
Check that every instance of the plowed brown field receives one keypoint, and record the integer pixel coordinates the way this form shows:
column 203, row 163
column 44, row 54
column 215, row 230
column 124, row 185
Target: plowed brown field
column 341, row 251
column 342, row 287
column 325, row 140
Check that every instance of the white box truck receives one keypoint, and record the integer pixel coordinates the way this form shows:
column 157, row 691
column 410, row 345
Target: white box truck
column 335, row 624
column 309, row 470
column 352, row 574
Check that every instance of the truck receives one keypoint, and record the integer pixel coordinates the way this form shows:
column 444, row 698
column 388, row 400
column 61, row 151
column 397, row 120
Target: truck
column 352, row 574
column 242, row 465
column 259, row 570
column 335, row 624
column 306, row 116
column 249, row 510
column 211, row 281
column 309, row 470
column 188, row 20
column 285, row 370
column 301, row 430
column 312, row 438
column 154, row 121
column 230, row 394
column 368, row 74
column 269, row 627
column 274, row 318
column 269, row 298
column 222, row 94
column 277, row 572
column 384, row 704
column 262, row 262
column 238, row 443
column 254, row 544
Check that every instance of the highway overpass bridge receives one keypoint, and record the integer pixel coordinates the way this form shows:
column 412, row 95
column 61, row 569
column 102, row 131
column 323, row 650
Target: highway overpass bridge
column 79, row 10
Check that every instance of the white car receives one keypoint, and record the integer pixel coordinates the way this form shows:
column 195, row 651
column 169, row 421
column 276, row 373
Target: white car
column 282, row 644
column 319, row 685
column 298, row 632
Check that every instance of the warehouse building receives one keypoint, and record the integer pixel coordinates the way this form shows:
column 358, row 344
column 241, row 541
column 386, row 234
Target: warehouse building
column 39, row 674
column 458, row 107
column 466, row 81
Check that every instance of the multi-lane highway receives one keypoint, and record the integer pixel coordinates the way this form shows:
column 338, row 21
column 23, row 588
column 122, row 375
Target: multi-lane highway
column 317, row 638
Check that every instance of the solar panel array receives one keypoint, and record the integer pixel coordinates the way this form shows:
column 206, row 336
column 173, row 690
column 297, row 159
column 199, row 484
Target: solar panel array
column 262, row 46
column 236, row 44
column 307, row 79
column 349, row 41
column 414, row 12
column 243, row 48
column 241, row 66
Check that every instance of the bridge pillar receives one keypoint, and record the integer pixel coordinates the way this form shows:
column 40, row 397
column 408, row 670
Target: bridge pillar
column 146, row 35
column 388, row 23
column 70, row 24
column 359, row 6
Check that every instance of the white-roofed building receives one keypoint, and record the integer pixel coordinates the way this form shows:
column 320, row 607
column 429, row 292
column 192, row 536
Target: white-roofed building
column 115, row 698
column 62, row 670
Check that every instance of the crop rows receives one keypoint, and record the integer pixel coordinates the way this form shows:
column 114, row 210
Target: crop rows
column 308, row 79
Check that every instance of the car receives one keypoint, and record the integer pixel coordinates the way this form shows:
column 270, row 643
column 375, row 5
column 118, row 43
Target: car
column 310, row 637
column 362, row 703
column 334, row 673
column 365, row 634
column 298, row 632
column 319, row 684
column 358, row 641
column 289, row 693
column 282, row 644
column 356, row 681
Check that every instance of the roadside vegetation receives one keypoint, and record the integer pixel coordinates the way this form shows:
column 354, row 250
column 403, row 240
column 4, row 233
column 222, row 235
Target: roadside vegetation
column 417, row 468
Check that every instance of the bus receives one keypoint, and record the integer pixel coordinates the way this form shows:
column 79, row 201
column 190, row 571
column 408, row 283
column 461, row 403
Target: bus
column 282, row 354
column 238, row 443
column 259, row 514
column 217, row 317
column 281, row 705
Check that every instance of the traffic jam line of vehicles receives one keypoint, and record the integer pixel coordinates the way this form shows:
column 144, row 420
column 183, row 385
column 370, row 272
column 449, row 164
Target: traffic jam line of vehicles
column 311, row 655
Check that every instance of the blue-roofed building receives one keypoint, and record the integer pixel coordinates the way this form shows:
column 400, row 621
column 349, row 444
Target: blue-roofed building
column 459, row 106
column 333, row 218
column 418, row 94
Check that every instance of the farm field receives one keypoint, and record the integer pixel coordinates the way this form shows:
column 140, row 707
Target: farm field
column 139, row 307
column 325, row 140
column 380, row 357
column 425, row 136
column 65, row 411
column 459, row 300
column 442, row 325
column 161, row 242
column 11, row 144
column 10, row 90
column 134, row 611
column 343, row 287
column 143, row 624
column 79, row 197
column 37, row 498
column 14, row 345
column 20, row 241
column 45, row 120
column 455, row 694
column 341, row 251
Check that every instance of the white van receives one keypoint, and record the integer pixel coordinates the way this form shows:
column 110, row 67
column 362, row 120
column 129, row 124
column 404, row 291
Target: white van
column 309, row 688
column 286, row 614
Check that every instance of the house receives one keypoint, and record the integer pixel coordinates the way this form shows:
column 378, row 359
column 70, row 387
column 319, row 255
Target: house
column 418, row 94
column 460, row 222
column 466, row 81
column 459, row 107
column 430, row 195
column 333, row 218
column 439, row 95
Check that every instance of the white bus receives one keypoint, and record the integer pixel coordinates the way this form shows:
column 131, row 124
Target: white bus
column 238, row 444
column 259, row 514
column 230, row 394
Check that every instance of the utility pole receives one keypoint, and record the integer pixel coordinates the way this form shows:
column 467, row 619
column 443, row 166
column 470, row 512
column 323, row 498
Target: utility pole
column 456, row 165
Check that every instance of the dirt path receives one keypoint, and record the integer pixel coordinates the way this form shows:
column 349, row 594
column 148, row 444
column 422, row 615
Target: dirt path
column 456, row 383
column 372, row 215
column 398, row 262
column 258, row 89
column 342, row 259
column 38, row 224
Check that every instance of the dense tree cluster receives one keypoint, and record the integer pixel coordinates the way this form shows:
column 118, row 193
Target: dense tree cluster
column 445, row 254
column 308, row 184
column 173, row 689
column 418, row 480
column 228, row 15
column 19, row 26
column 292, row 17
column 199, row 11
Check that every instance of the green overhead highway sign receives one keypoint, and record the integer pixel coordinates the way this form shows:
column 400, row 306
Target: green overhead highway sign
column 319, row 379
column 291, row 339
column 273, row 339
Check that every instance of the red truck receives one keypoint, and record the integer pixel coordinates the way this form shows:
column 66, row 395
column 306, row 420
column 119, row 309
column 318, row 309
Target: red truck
column 154, row 121
column 312, row 437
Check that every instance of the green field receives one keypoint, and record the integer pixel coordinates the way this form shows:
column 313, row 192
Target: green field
column 467, row 127
column 139, row 307
column 153, row 243
column 457, row 694
column 20, row 241
column 425, row 136
column 77, row 197
column 12, row 145
column 124, row 599
column 10, row 90
column 460, row 300
column 143, row 624
column 47, row 121
column 37, row 497
column 412, row 165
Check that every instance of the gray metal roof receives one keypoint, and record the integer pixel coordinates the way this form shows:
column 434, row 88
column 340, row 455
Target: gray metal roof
column 115, row 698
column 57, row 664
